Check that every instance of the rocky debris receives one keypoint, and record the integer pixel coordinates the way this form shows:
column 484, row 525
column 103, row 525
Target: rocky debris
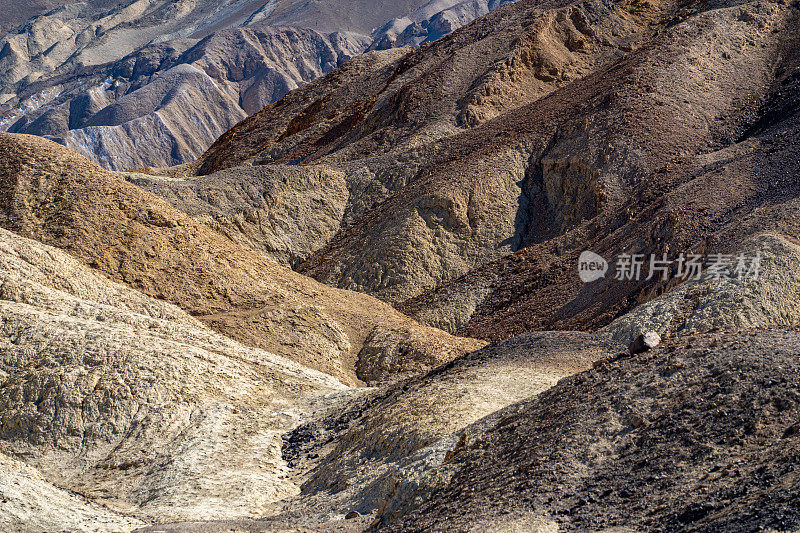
column 639, row 444
column 644, row 342
column 134, row 237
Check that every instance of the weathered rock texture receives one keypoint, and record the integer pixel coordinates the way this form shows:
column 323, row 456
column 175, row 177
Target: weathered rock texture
column 132, row 403
column 15, row 13
column 699, row 434
column 30, row 503
column 166, row 103
column 535, row 133
column 460, row 181
column 381, row 445
column 285, row 213
column 432, row 21
column 62, row 199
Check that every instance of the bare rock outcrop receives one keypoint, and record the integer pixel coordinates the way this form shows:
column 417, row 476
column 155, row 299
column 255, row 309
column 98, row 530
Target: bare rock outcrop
column 160, row 363
column 164, row 104
column 432, row 21
column 709, row 187
column 133, row 404
column 30, row 503
column 286, row 213
column 381, row 445
column 700, row 433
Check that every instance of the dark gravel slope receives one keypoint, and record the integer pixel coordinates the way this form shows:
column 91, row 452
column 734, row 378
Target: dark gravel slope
column 702, row 434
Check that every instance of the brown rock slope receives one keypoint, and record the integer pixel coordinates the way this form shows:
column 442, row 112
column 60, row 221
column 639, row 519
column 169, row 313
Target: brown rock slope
column 386, row 443
column 429, row 200
column 59, row 198
column 539, row 125
column 154, row 83
column 739, row 198
column 699, row 435
column 284, row 212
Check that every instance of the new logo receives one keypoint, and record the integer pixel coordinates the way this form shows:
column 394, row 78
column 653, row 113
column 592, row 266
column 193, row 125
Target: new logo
column 591, row 267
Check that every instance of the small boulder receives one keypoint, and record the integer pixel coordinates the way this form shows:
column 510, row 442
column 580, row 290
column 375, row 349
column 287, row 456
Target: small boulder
column 351, row 515
column 645, row 342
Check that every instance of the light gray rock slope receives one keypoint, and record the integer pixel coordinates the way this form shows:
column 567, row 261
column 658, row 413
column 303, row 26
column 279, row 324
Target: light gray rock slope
column 131, row 403
column 432, row 21
column 165, row 104
column 30, row 503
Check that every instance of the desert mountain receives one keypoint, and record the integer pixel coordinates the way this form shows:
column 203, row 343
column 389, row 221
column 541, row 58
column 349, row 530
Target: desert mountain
column 738, row 198
column 166, row 361
column 109, row 78
column 699, row 434
column 542, row 131
column 60, row 198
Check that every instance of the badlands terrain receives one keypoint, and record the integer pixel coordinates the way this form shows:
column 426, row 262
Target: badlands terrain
column 308, row 266
column 107, row 77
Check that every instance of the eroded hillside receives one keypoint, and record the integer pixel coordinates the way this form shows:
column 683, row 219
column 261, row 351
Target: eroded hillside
column 466, row 151
column 142, row 83
column 200, row 348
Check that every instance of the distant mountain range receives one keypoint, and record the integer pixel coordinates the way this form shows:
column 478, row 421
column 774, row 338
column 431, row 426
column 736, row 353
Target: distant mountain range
column 154, row 83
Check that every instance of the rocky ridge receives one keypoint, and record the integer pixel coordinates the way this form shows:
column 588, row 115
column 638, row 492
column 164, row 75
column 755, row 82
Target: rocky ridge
column 538, row 123
column 60, row 198
column 149, row 83
column 468, row 151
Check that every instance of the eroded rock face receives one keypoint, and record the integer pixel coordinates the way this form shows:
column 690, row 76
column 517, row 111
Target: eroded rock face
column 536, row 131
column 431, row 21
column 703, row 306
column 139, row 84
column 379, row 447
column 704, row 189
column 165, row 104
column 132, row 403
column 286, row 213
column 136, row 238
column 30, row 502
column 482, row 165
